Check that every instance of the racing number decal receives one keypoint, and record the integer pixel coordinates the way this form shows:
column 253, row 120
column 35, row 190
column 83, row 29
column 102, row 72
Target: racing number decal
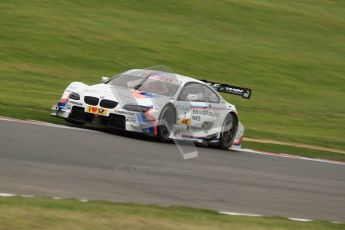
column 97, row 110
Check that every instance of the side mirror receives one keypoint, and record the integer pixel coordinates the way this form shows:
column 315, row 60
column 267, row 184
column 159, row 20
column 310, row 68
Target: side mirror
column 104, row 79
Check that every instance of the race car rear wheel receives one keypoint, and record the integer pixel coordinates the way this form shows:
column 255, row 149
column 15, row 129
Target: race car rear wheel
column 167, row 119
column 228, row 132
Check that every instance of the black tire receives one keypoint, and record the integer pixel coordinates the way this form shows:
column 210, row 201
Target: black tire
column 166, row 118
column 74, row 123
column 228, row 132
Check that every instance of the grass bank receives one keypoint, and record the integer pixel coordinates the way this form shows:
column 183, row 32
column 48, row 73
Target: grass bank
column 39, row 213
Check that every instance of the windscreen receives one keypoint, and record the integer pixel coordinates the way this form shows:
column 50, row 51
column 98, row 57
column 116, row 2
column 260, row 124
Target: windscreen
column 147, row 80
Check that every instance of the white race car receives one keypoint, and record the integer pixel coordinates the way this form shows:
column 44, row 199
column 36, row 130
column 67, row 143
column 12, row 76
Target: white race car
column 157, row 103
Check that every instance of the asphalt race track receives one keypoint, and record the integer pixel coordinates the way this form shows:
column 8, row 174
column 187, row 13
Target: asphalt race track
column 70, row 163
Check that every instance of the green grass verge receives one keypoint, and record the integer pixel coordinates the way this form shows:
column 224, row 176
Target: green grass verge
column 40, row 213
column 290, row 53
column 299, row 151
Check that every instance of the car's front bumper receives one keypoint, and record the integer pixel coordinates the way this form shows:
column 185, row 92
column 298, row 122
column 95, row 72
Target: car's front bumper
column 114, row 121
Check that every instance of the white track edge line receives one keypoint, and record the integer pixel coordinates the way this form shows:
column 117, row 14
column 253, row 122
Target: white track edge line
column 46, row 124
column 240, row 214
column 284, row 155
column 8, row 194
column 299, row 219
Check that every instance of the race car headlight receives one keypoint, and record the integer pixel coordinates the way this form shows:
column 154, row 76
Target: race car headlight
column 136, row 108
column 74, row 96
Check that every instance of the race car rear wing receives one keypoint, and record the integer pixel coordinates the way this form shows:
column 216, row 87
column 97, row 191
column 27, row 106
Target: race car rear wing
column 225, row 88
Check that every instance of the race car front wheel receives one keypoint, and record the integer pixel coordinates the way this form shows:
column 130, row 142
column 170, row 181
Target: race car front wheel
column 228, row 132
column 167, row 119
